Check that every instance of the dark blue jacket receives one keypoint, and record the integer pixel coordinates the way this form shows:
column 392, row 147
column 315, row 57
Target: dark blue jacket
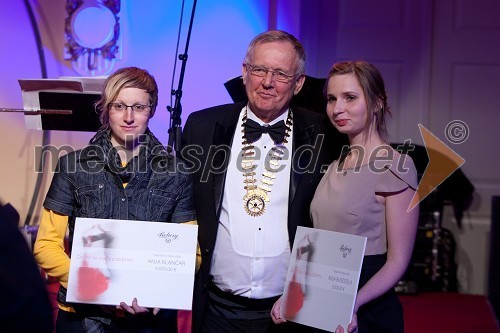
column 89, row 183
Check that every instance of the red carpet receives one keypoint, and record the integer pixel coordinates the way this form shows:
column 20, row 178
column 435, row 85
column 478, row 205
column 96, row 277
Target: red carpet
column 448, row 312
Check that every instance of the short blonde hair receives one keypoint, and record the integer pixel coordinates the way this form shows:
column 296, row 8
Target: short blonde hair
column 128, row 77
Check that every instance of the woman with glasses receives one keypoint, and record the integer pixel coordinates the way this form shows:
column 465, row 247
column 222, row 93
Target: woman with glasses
column 125, row 173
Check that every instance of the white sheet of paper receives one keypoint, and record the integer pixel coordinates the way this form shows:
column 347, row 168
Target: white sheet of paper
column 113, row 261
column 323, row 277
column 31, row 102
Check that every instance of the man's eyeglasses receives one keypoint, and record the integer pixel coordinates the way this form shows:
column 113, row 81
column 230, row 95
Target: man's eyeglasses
column 139, row 108
column 277, row 75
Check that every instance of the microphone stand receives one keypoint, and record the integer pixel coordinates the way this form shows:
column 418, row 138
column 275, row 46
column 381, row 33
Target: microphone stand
column 46, row 134
column 175, row 130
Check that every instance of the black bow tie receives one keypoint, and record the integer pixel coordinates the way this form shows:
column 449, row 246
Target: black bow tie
column 253, row 131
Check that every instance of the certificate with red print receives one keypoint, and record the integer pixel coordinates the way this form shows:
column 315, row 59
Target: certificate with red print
column 323, row 277
column 115, row 261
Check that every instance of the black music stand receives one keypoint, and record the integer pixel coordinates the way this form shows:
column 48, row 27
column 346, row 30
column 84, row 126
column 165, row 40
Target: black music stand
column 78, row 95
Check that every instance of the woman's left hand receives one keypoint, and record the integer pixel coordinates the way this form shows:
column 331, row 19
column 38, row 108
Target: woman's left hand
column 135, row 308
column 351, row 328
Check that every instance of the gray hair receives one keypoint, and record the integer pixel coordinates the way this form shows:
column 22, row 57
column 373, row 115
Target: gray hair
column 279, row 36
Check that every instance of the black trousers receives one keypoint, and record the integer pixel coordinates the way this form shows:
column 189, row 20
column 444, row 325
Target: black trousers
column 70, row 322
column 228, row 313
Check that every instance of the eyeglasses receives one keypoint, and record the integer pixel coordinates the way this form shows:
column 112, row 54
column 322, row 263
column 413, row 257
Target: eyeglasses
column 277, row 75
column 139, row 108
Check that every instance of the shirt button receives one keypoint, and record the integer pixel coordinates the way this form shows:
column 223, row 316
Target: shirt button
column 257, row 258
column 123, row 199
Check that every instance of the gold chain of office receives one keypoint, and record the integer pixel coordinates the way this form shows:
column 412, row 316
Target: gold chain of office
column 257, row 195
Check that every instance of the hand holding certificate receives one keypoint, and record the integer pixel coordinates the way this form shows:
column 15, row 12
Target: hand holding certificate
column 323, row 276
column 113, row 261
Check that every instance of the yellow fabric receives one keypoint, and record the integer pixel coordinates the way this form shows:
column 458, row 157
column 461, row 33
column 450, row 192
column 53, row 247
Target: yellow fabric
column 49, row 248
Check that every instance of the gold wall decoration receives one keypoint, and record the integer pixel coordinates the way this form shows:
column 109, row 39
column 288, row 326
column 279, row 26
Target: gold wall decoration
column 92, row 32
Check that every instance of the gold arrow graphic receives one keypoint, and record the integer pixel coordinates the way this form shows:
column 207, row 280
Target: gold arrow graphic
column 443, row 161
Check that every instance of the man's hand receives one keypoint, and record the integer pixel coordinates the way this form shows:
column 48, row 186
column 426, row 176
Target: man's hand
column 276, row 312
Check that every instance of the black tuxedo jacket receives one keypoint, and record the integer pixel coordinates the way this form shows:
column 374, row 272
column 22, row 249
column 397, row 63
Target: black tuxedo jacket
column 207, row 138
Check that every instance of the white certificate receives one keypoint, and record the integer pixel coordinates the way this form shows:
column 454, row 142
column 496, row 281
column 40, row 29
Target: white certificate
column 113, row 261
column 323, row 277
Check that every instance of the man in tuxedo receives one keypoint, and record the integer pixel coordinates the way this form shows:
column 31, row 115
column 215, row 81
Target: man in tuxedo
column 256, row 166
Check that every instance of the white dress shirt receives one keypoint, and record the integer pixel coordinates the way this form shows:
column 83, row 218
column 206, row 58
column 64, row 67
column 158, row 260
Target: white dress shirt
column 252, row 253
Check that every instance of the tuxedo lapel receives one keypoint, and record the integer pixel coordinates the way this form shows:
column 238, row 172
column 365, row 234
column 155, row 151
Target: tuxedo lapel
column 303, row 135
column 222, row 141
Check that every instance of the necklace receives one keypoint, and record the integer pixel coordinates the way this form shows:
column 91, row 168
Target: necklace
column 342, row 164
column 257, row 195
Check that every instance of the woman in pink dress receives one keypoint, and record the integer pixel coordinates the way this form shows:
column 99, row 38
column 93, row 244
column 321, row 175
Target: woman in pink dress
column 368, row 192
